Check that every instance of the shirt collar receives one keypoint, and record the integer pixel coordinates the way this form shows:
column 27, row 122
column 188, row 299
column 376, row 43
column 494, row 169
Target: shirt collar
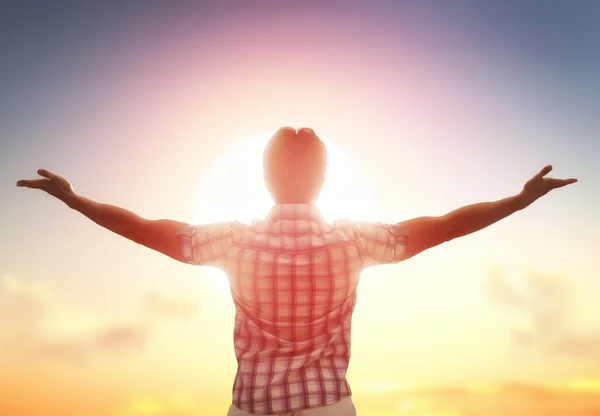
column 295, row 212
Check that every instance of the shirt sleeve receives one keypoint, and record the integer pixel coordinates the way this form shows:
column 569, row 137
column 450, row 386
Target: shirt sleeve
column 207, row 245
column 380, row 243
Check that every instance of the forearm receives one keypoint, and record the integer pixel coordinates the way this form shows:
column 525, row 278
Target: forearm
column 159, row 235
column 472, row 218
column 113, row 218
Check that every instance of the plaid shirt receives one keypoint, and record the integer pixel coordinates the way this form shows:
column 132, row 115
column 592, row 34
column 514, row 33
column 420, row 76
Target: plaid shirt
column 293, row 281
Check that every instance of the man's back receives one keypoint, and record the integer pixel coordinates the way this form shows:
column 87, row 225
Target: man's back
column 293, row 281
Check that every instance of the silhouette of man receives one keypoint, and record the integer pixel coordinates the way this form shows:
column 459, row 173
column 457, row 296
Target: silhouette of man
column 293, row 276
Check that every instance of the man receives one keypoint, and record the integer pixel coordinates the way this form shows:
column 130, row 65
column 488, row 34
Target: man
column 293, row 276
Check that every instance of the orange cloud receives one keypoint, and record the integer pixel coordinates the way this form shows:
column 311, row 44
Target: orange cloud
column 586, row 344
column 161, row 305
column 171, row 405
column 578, row 397
column 121, row 336
column 497, row 288
column 549, row 303
column 587, row 385
column 35, row 323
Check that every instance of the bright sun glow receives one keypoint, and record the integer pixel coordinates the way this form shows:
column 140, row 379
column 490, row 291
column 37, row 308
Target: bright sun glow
column 235, row 190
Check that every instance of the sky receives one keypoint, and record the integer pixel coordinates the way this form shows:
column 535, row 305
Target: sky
column 162, row 108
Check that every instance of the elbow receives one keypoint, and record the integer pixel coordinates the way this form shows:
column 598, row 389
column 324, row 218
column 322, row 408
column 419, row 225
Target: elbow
column 451, row 230
column 453, row 233
column 136, row 237
column 449, row 237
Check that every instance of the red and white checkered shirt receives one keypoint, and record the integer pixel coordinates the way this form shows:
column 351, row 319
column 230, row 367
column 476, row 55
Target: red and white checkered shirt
column 293, row 281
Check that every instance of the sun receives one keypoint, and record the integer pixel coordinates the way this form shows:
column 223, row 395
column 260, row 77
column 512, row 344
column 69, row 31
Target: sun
column 234, row 190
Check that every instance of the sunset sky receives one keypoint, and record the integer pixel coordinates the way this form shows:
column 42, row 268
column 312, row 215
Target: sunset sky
column 162, row 108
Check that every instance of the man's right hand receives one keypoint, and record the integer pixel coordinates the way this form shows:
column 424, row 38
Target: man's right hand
column 159, row 235
column 51, row 183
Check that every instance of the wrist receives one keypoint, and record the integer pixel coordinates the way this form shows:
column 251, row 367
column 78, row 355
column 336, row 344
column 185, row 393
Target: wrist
column 71, row 199
column 523, row 200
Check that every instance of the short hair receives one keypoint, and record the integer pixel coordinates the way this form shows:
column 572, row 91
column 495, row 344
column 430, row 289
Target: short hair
column 294, row 164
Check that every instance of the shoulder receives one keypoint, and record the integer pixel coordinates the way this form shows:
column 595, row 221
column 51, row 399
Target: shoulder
column 210, row 230
column 372, row 227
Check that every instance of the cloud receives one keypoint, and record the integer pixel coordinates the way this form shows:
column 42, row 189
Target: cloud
column 498, row 289
column 23, row 305
column 585, row 344
column 125, row 336
column 547, row 299
column 549, row 303
column 116, row 338
column 33, row 321
column 577, row 398
column 162, row 305
column 74, row 351
column 172, row 405
column 580, row 397
column 522, row 338
column 79, row 348
column 530, row 391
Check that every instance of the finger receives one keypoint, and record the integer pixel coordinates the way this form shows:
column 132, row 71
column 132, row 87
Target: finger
column 46, row 173
column 559, row 183
column 33, row 183
column 544, row 171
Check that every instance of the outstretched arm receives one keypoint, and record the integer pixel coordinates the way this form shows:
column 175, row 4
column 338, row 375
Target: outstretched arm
column 159, row 235
column 427, row 232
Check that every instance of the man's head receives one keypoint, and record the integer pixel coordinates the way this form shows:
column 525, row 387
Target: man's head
column 294, row 164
